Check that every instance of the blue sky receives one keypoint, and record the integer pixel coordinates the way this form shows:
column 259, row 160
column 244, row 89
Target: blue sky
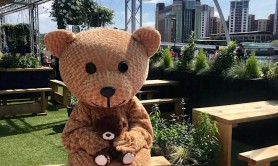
column 261, row 9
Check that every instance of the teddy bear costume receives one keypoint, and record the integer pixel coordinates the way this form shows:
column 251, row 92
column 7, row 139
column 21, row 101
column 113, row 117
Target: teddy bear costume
column 104, row 69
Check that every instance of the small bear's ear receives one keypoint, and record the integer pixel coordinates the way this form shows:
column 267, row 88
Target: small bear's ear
column 56, row 41
column 150, row 39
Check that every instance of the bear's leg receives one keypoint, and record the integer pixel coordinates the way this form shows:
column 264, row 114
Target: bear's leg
column 81, row 158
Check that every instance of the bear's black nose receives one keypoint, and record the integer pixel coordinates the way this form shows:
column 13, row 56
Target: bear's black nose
column 107, row 91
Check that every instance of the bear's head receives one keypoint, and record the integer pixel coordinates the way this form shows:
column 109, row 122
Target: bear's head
column 104, row 67
column 110, row 127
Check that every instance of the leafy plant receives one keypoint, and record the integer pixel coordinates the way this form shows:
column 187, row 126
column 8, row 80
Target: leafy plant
column 264, row 68
column 201, row 61
column 224, row 59
column 80, row 12
column 205, row 137
column 18, row 61
column 252, row 66
column 166, row 61
column 188, row 53
column 157, row 56
column 237, row 70
column 183, row 143
column 273, row 72
column 73, row 100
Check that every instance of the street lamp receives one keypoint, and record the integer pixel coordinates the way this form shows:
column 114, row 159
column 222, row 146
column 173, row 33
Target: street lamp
column 174, row 21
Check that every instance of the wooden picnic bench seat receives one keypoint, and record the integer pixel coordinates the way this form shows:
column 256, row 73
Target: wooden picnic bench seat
column 148, row 94
column 229, row 116
column 62, row 98
column 38, row 107
column 155, row 161
column 260, row 157
column 177, row 102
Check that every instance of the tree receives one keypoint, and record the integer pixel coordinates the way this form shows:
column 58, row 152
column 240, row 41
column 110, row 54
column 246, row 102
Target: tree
column 80, row 12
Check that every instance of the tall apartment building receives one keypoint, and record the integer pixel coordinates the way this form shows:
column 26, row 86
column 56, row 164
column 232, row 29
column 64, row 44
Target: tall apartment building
column 216, row 26
column 270, row 23
column 275, row 27
column 252, row 23
column 206, row 14
column 198, row 10
column 262, row 24
column 239, row 11
column 181, row 14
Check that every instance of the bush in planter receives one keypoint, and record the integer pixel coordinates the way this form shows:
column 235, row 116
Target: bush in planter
column 264, row 68
column 272, row 74
column 237, row 70
column 166, row 62
column 252, row 67
column 181, row 142
column 224, row 60
column 156, row 57
column 200, row 61
column 19, row 61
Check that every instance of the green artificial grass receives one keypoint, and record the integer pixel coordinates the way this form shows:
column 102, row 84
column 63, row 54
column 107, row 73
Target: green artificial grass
column 33, row 140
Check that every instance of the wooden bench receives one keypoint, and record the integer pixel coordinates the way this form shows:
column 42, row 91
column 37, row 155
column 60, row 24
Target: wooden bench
column 62, row 98
column 36, row 107
column 229, row 116
column 148, row 94
column 260, row 157
column 155, row 161
column 177, row 102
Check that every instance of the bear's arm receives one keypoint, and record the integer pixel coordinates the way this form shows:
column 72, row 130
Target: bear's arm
column 78, row 133
column 140, row 134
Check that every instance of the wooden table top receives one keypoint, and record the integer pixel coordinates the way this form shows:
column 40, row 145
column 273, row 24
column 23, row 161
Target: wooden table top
column 160, row 83
column 244, row 112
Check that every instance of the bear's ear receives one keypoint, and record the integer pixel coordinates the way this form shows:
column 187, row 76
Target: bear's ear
column 150, row 39
column 56, row 41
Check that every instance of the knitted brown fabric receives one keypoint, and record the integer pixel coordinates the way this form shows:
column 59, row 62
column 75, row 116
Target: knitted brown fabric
column 106, row 50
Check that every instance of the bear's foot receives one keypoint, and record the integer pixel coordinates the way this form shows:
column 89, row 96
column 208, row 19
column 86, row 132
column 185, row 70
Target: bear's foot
column 128, row 158
column 102, row 160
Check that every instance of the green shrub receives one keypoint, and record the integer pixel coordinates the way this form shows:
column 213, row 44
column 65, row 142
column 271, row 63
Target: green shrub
column 224, row 60
column 18, row 61
column 264, row 68
column 181, row 142
column 201, row 61
column 237, row 70
column 187, row 54
column 206, row 142
column 157, row 57
column 166, row 61
column 273, row 72
column 252, row 67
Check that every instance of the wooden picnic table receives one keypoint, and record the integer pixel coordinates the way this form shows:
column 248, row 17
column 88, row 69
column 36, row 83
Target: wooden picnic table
column 229, row 116
column 149, row 83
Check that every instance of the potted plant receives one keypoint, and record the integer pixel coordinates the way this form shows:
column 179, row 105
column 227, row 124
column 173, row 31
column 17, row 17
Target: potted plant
column 73, row 102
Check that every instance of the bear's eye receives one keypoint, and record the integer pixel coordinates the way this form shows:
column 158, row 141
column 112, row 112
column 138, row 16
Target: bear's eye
column 123, row 67
column 91, row 68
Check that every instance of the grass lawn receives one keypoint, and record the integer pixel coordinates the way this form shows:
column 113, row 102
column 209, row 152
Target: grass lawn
column 33, row 140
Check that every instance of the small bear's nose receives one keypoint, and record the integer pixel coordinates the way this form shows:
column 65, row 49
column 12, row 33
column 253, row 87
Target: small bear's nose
column 107, row 91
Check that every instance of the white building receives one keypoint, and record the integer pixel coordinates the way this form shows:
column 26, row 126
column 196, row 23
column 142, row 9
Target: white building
column 239, row 11
column 206, row 14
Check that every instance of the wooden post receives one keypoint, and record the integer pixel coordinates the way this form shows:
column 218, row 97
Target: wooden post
column 225, row 137
column 43, row 103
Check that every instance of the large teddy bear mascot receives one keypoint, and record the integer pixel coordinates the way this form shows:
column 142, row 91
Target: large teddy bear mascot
column 105, row 68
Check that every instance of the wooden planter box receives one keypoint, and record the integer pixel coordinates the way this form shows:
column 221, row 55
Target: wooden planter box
column 211, row 90
column 31, row 84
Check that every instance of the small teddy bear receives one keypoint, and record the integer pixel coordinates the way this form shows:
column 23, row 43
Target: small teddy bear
column 109, row 128
column 105, row 68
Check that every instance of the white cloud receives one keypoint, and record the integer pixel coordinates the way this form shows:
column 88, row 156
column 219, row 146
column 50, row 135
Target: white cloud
column 156, row 1
column 216, row 14
column 149, row 23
